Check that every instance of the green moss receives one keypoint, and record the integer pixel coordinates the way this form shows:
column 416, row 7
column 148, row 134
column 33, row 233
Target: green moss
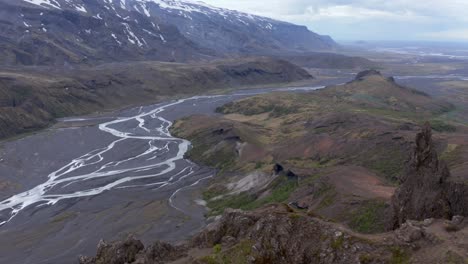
column 240, row 201
column 390, row 169
column 258, row 165
column 369, row 218
column 281, row 189
column 399, row 256
column 337, row 243
column 441, row 126
column 217, row 249
column 213, row 191
column 238, row 254
column 401, row 116
column 323, row 189
column 453, row 258
column 452, row 154
column 256, row 106
column 294, row 216
column 328, row 199
column 223, row 158
column 309, row 163
column 280, row 110
column 387, row 161
column 209, row 260
column 365, row 258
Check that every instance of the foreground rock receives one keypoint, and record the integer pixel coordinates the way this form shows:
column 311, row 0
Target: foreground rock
column 277, row 234
column 133, row 251
column 426, row 190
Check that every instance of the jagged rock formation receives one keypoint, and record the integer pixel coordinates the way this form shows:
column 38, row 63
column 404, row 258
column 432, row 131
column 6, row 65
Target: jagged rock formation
column 277, row 237
column 425, row 189
column 278, row 234
column 119, row 252
column 131, row 250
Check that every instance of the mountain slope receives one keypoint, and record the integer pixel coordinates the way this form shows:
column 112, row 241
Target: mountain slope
column 34, row 35
column 62, row 32
column 231, row 31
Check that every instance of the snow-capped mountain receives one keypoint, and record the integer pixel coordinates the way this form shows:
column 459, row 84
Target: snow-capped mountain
column 230, row 31
column 44, row 32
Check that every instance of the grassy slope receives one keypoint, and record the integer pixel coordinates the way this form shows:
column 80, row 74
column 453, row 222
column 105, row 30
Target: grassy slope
column 369, row 123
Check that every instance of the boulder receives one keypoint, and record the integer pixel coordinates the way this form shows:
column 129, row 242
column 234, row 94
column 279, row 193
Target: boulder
column 120, row 252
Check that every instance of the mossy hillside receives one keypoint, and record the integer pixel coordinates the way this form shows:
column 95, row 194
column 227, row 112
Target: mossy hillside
column 369, row 124
column 279, row 191
column 369, row 217
column 238, row 254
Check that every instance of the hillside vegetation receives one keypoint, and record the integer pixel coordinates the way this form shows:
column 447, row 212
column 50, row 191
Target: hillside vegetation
column 336, row 152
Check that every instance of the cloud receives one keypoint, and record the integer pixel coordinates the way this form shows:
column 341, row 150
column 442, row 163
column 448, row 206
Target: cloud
column 454, row 34
column 382, row 19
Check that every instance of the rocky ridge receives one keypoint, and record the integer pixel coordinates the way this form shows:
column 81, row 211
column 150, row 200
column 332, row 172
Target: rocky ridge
column 278, row 234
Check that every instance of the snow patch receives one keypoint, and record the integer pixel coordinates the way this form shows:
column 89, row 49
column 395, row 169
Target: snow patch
column 162, row 38
column 45, row 3
column 116, row 39
column 132, row 38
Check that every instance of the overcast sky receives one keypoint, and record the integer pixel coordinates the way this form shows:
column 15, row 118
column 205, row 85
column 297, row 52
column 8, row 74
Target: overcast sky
column 443, row 20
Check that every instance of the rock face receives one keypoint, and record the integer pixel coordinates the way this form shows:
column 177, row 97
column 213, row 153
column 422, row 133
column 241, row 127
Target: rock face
column 115, row 253
column 133, row 251
column 425, row 190
column 68, row 32
column 276, row 237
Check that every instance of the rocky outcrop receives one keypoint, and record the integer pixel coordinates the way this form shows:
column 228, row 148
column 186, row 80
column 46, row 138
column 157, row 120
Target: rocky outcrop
column 278, row 235
column 425, row 189
column 115, row 253
column 363, row 74
column 133, row 251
